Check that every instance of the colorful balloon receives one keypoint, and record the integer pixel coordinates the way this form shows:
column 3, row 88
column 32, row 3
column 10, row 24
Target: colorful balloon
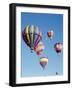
column 50, row 34
column 43, row 62
column 32, row 36
column 58, row 47
column 39, row 48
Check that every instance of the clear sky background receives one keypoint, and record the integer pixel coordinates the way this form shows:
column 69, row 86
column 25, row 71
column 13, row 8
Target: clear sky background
column 30, row 61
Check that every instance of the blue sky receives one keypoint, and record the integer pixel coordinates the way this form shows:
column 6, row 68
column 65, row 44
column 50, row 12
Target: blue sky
column 30, row 61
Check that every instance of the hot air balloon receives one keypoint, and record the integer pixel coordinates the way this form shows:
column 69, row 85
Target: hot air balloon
column 58, row 47
column 43, row 61
column 32, row 36
column 50, row 34
column 39, row 48
column 56, row 73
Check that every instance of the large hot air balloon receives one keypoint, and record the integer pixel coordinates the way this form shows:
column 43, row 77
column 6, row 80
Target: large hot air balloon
column 58, row 47
column 50, row 34
column 39, row 48
column 32, row 36
column 43, row 61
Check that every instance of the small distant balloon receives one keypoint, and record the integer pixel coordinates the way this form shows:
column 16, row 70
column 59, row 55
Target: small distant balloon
column 56, row 73
column 50, row 34
column 43, row 61
column 58, row 47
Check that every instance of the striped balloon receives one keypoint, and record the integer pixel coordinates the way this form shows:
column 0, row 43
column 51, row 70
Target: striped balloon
column 43, row 61
column 32, row 36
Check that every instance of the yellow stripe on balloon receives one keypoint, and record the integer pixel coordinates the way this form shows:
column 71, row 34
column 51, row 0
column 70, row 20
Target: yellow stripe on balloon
column 44, row 59
column 39, row 48
column 27, row 33
column 39, row 45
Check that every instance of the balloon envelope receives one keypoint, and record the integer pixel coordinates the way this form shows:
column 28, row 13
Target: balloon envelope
column 58, row 47
column 50, row 34
column 39, row 48
column 31, row 35
column 43, row 62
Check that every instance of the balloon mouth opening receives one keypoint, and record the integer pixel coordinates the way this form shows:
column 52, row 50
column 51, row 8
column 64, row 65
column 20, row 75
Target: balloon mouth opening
column 32, row 50
column 58, row 51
